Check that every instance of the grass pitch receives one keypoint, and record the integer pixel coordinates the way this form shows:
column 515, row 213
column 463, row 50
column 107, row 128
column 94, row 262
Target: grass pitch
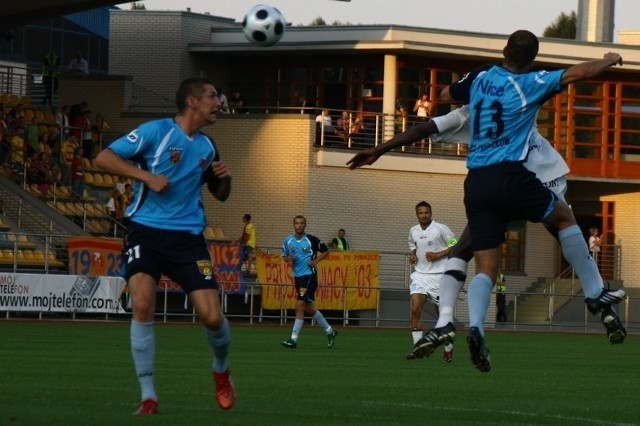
column 63, row 373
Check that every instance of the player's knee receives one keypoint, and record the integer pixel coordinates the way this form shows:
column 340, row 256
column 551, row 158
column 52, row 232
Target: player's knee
column 212, row 321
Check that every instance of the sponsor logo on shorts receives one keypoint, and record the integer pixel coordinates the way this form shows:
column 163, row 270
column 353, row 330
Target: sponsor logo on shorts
column 205, row 267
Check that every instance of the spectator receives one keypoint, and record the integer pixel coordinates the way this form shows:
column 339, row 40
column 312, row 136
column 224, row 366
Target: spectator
column 422, row 107
column 77, row 173
column 340, row 242
column 236, row 103
column 45, row 146
column 33, row 136
column 343, row 126
column 248, row 240
column 67, row 151
column 113, row 209
column 224, row 102
column 87, row 134
column 79, row 65
column 125, row 201
column 594, row 243
column 50, row 74
column 501, row 298
column 99, row 126
column 62, row 122
column 18, row 150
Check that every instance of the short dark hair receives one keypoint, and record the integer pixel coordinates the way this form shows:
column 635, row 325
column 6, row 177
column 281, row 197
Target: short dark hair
column 247, row 217
column 300, row 217
column 521, row 49
column 190, row 87
column 423, row 204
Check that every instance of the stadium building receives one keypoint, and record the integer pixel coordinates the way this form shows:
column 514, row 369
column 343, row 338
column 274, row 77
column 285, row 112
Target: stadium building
column 284, row 165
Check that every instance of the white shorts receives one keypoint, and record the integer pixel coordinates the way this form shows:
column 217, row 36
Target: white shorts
column 427, row 284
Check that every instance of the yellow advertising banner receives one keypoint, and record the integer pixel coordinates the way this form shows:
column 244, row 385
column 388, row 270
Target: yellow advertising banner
column 346, row 279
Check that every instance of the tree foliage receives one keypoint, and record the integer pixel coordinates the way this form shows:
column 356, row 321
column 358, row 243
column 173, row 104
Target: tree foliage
column 138, row 6
column 564, row 26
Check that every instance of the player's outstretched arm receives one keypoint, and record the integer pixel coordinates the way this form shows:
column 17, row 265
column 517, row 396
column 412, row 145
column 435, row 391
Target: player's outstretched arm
column 109, row 161
column 370, row 155
column 591, row 68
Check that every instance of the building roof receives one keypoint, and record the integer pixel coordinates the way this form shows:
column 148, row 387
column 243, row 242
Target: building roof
column 407, row 40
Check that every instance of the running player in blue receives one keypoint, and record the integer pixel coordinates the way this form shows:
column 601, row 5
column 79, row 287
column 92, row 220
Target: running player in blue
column 170, row 160
column 305, row 251
column 504, row 102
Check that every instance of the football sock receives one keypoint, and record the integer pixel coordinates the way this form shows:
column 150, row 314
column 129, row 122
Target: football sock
column 143, row 349
column 448, row 347
column 416, row 335
column 451, row 283
column 319, row 318
column 575, row 250
column 220, row 342
column 297, row 326
column 478, row 298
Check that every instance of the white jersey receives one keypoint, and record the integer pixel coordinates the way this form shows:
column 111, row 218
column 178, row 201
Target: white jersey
column 543, row 159
column 436, row 237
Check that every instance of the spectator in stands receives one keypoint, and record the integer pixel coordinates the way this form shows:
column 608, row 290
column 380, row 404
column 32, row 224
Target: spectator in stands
column 224, row 102
column 50, row 74
column 248, row 241
column 125, row 201
column 99, row 126
column 165, row 233
column 114, row 209
column 33, row 136
column 343, row 126
column 67, row 151
column 45, row 146
column 236, row 103
column 79, row 65
column 18, row 150
column 62, row 122
column 87, row 135
column 77, row 173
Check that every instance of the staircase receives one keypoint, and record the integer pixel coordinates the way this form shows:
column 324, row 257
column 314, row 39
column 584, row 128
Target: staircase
column 544, row 296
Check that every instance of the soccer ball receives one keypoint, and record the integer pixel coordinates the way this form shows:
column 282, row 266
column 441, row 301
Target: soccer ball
column 263, row 25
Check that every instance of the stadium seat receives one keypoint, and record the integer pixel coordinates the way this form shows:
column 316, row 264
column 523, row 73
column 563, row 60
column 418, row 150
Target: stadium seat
column 28, row 257
column 88, row 179
column 28, row 115
column 87, row 197
column 98, row 179
column 39, row 256
column 219, row 233
column 209, row 234
column 39, row 115
column 23, row 241
column 108, row 180
column 7, row 256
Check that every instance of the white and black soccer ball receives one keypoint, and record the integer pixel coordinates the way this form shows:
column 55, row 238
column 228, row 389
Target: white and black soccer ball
column 263, row 25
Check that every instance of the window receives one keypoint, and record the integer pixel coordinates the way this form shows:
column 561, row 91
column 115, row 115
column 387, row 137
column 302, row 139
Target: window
column 512, row 250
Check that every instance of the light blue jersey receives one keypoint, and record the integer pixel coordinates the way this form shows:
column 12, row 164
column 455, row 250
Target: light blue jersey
column 303, row 250
column 499, row 96
column 162, row 147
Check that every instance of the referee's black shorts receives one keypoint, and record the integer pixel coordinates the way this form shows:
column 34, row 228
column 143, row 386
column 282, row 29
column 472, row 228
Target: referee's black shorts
column 497, row 194
column 180, row 255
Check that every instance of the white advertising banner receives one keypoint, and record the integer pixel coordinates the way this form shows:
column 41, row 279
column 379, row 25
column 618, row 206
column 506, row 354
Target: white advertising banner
column 60, row 293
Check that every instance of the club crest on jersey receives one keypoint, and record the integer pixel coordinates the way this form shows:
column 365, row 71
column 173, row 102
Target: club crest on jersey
column 175, row 154
column 133, row 137
column 205, row 268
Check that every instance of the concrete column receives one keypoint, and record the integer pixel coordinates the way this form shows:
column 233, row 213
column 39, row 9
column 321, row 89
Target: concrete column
column 389, row 94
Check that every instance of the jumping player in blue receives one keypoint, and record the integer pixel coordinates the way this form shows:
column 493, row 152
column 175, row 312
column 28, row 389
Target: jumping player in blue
column 305, row 251
column 170, row 160
column 504, row 102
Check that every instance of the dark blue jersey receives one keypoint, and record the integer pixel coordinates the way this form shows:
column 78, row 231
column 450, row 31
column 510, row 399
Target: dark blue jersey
column 162, row 147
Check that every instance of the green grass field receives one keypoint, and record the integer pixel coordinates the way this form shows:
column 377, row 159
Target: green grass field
column 63, row 373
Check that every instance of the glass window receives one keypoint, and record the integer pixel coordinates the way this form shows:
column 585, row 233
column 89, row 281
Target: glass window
column 513, row 249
